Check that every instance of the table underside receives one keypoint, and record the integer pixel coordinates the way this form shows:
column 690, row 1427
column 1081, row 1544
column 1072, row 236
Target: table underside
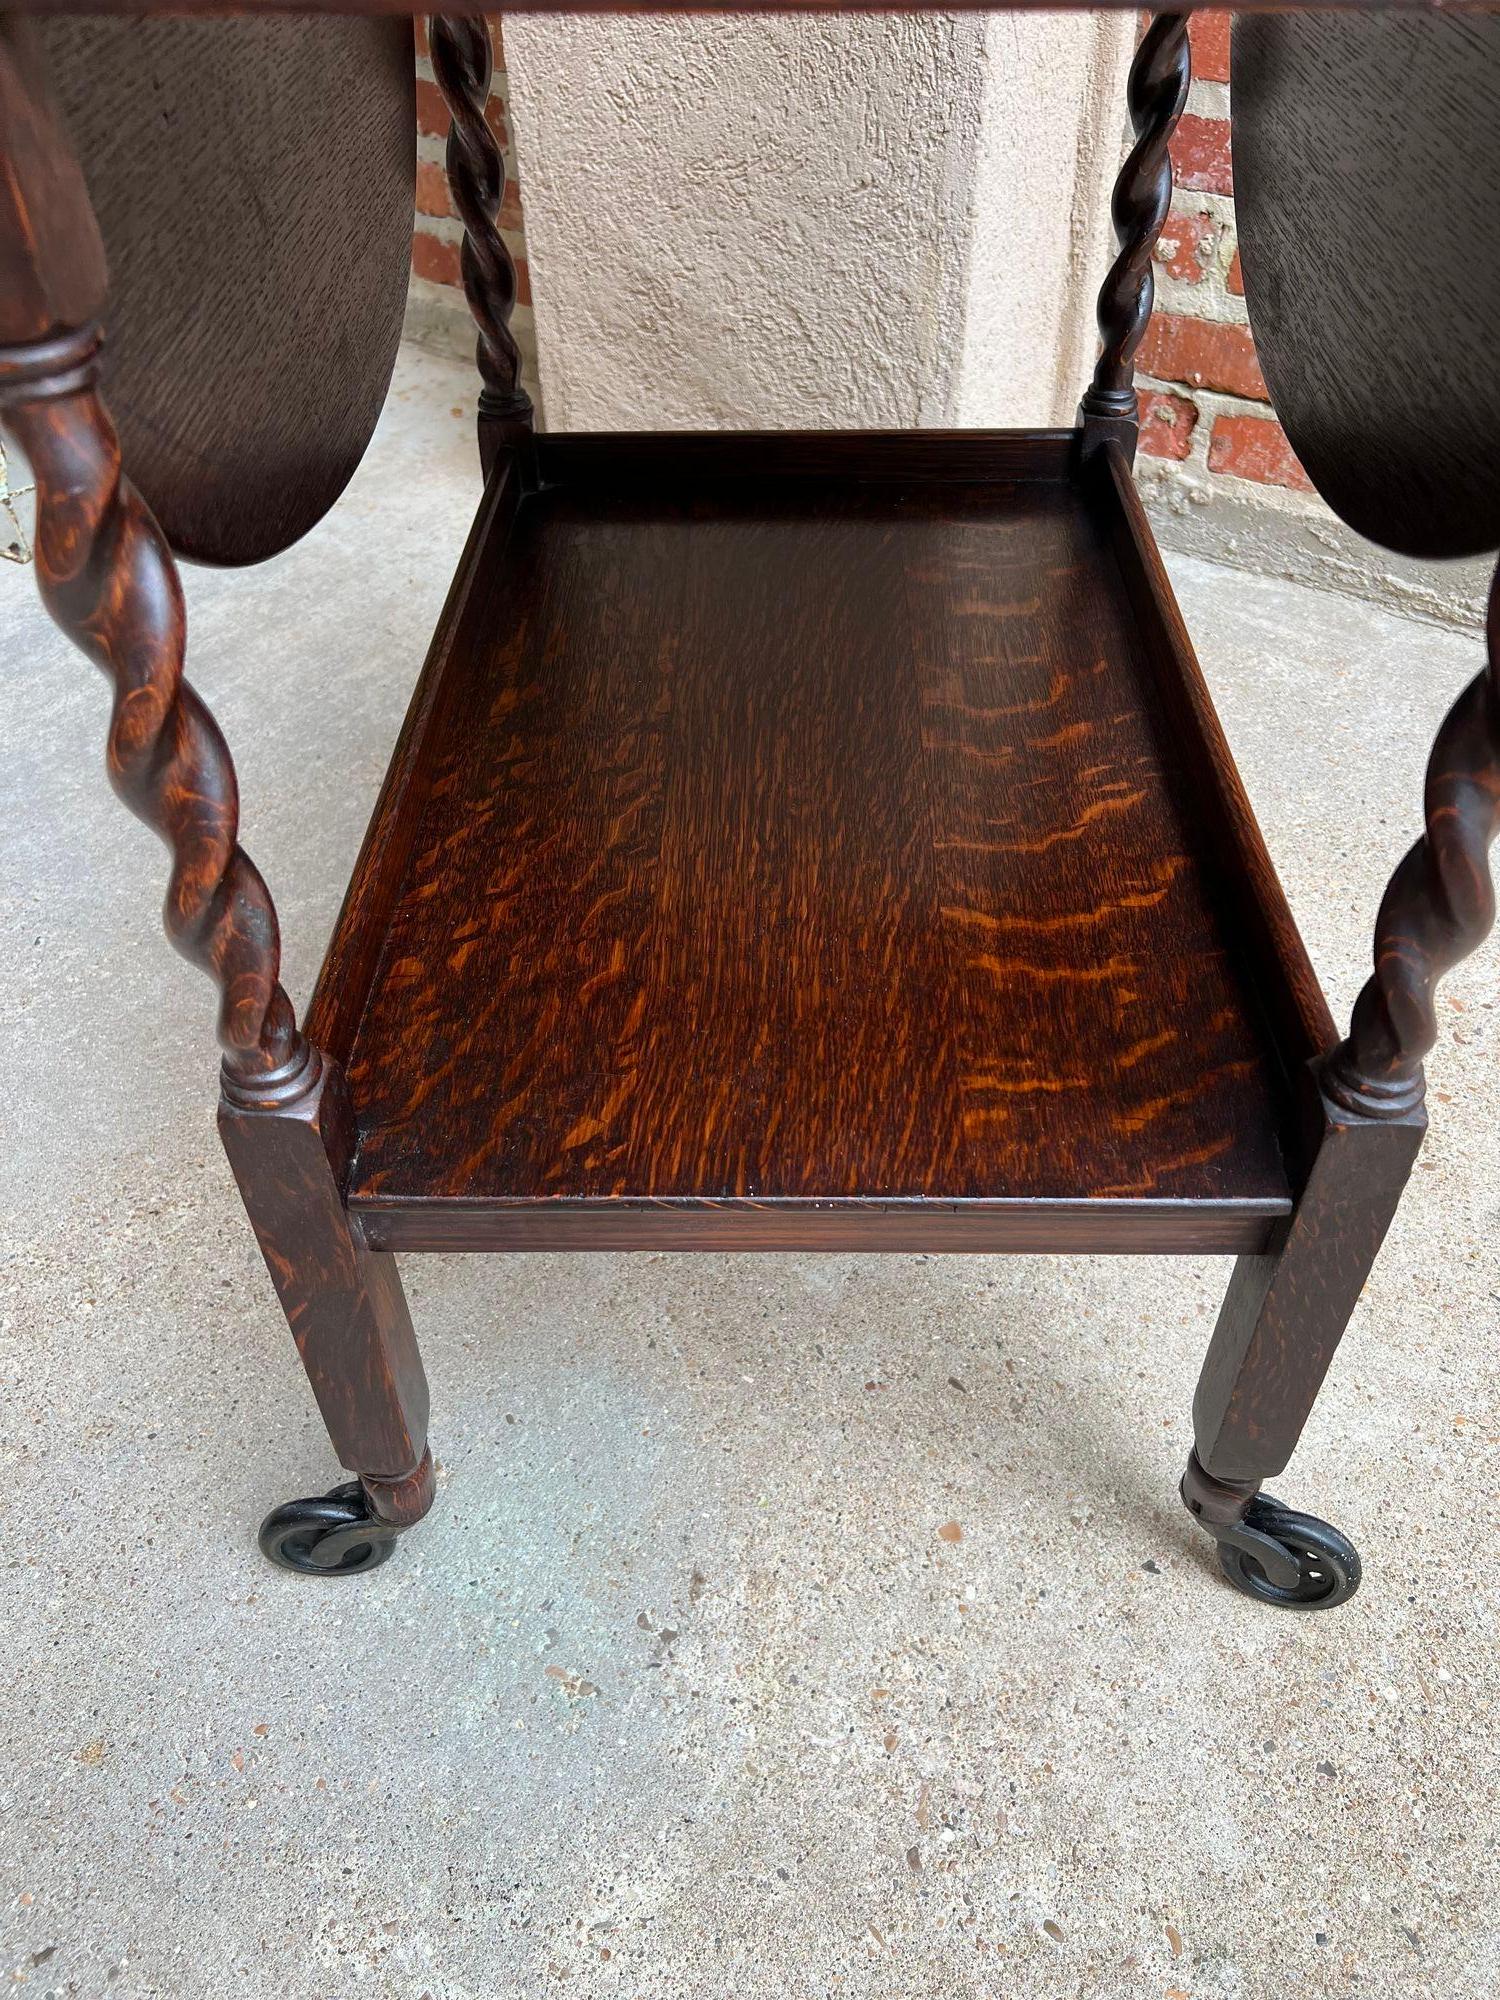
column 793, row 843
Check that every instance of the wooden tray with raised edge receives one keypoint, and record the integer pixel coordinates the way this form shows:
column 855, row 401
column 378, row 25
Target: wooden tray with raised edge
column 815, row 840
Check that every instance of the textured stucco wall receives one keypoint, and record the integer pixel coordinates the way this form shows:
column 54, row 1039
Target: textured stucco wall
column 1049, row 142
column 823, row 221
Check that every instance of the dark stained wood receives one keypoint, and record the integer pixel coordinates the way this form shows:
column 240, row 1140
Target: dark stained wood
column 1286, row 1310
column 253, row 182
column 809, row 841
column 107, row 578
column 463, row 63
column 1276, row 961
column 52, row 273
column 795, row 842
column 1367, row 185
column 1126, row 1227
column 1374, row 306
column 1156, row 93
column 925, row 457
column 1439, row 907
column 359, row 935
column 1367, row 180
column 343, row 1301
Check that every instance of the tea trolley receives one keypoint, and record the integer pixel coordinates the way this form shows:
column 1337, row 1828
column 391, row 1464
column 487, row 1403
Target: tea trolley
column 795, row 841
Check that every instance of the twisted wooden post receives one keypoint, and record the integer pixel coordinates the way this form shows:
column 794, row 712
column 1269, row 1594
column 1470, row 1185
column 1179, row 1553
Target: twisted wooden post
column 1157, row 91
column 107, row 576
column 108, row 579
column 1438, row 908
column 463, row 63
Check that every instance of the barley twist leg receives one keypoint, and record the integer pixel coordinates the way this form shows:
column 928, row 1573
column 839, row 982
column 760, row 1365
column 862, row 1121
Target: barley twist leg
column 463, row 63
column 1438, row 908
column 109, row 582
column 1157, row 91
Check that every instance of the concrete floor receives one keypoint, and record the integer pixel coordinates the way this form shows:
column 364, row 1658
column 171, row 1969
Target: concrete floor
column 680, row 1692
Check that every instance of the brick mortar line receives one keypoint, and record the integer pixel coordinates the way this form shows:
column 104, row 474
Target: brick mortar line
column 1208, row 100
column 1210, row 404
column 1209, row 300
column 1209, row 297
column 1191, row 200
column 1179, row 476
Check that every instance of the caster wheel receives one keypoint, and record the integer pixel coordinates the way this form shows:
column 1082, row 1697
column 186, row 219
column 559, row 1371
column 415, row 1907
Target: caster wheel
column 1326, row 1563
column 334, row 1536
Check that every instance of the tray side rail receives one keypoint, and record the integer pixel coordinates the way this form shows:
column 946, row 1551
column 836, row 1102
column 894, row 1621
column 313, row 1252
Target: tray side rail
column 349, row 966
column 1287, row 987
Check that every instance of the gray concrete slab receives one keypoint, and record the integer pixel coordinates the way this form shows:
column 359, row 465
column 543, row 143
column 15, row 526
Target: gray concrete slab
column 680, row 1691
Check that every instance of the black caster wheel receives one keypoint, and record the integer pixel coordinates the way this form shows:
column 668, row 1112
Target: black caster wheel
column 1295, row 1560
column 334, row 1536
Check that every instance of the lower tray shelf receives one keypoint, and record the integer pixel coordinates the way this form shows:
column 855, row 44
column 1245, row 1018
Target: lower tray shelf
column 814, row 841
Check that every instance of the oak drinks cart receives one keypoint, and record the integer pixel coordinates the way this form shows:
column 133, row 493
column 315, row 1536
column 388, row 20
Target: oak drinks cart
column 795, row 841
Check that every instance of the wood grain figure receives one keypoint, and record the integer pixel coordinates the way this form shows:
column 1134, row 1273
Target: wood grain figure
column 1367, row 185
column 251, row 341
column 910, row 718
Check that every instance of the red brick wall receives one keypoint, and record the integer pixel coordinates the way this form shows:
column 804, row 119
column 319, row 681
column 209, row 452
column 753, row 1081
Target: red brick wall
column 1202, row 397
